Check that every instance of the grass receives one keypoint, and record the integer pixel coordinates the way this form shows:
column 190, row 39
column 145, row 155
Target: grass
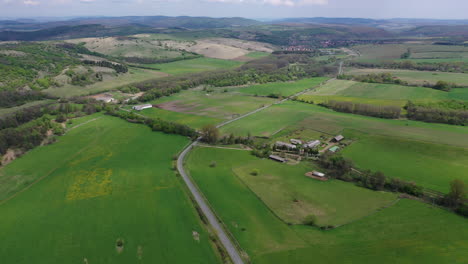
column 134, row 75
column 293, row 196
column 195, row 121
column 6, row 111
column 215, row 104
column 420, row 53
column 106, row 181
column 378, row 94
column 428, row 164
column 418, row 77
column 257, row 54
column 407, row 232
column 282, row 88
column 296, row 115
column 195, row 65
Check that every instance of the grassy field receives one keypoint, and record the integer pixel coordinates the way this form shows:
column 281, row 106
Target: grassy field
column 134, row 75
column 195, row 121
column 407, row 232
column 216, row 104
column 292, row 196
column 257, row 54
column 417, row 77
column 419, row 53
column 417, row 145
column 296, row 115
column 98, row 186
column 282, row 88
column 195, row 65
column 430, row 165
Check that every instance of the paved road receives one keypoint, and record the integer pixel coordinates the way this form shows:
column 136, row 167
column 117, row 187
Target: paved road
column 223, row 237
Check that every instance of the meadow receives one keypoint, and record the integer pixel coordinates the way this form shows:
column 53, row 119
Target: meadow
column 134, row 75
column 194, row 65
column 282, row 88
column 195, row 121
column 417, row 77
column 409, row 231
column 420, row 53
column 417, row 145
column 293, row 197
column 218, row 103
column 103, row 184
column 383, row 92
column 430, row 165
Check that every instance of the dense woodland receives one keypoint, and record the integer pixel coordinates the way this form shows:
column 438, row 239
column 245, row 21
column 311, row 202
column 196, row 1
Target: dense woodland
column 428, row 113
column 461, row 67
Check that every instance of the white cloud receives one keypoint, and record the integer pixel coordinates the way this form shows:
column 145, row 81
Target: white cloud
column 276, row 2
column 31, row 2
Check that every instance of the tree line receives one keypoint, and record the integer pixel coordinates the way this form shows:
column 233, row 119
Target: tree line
column 119, row 68
column 341, row 168
column 436, row 115
column 15, row 98
column 140, row 60
column 390, row 112
column 460, row 67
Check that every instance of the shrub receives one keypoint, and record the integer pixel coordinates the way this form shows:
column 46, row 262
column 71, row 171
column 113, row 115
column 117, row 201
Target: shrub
column 213, row 164
column 310, row 220
column 254, row 172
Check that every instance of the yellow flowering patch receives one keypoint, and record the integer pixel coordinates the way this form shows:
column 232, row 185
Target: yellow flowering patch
column 90, row 184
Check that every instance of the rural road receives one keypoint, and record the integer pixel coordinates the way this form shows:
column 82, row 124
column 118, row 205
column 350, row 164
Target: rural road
column 223, row 237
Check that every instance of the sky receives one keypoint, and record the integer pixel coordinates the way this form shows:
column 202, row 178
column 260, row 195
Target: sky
column 260, row 9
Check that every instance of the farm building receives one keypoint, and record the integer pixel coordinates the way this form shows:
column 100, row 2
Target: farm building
column 318, row 174
column 334, row 149
column 296, row 141
column 277, row 158
column 312, row 144
column 284, row 144
column 106, row 98
column 141, row 107
column 338, row 138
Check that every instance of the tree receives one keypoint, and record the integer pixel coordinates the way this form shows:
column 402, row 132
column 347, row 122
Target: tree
column 457, row 194
column 310, row 220
column 210, row 134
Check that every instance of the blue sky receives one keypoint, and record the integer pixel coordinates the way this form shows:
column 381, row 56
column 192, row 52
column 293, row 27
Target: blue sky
column 446, row 9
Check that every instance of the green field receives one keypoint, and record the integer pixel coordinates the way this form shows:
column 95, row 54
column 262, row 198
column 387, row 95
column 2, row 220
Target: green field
column 435, row 141
column 105, row 181
column 282, row 88
column 292, row 196
column 134, row 75
column 417, row 77
column 384, row 93
column 420, row 53
column 428, row 164
column 407, row 232
column 216, row 104
column 195, row 121
column 195, row 65
column 257, row 54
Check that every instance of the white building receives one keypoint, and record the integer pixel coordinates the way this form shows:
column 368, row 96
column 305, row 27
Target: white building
column 284, row 144
column 296, row 141
column 312, row 144
column 318, row 174
column 141, row 107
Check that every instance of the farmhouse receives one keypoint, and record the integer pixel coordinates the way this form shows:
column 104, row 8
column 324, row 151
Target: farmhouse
column 277, row 158
column 334, row 149
column 284, row 144
column 312, row 144
column 106, row 98
column 296, row 141
column 141, row 107
column 338, row 138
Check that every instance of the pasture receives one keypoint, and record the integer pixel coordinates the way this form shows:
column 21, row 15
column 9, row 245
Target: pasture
column 215, row 104
column 428, row 164
column 387, row 92
column 283, row 89
column 134, row 75
column 412, row 231
column 420, row 53
column 192, row 120
column 293, row 196
column 195, row 65
column 417, row 77
column 104, row 193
